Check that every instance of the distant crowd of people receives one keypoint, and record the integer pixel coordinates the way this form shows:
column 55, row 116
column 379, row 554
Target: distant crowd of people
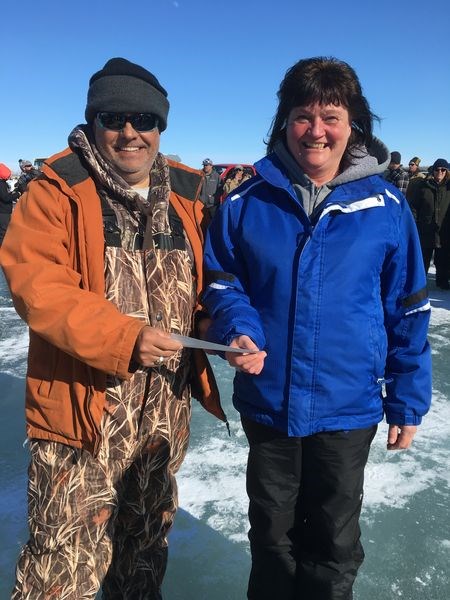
column 10, row 194
column 215, row 187
column 428, row 194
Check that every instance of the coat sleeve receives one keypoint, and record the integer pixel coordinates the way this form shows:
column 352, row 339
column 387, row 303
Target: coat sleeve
column 407, row 315
column 42, row 266
column 226, row 282
column 403, row 182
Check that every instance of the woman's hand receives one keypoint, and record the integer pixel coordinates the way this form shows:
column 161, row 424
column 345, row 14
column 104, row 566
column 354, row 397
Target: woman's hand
column 400, row 437
column 154, row 346
column 247, row 363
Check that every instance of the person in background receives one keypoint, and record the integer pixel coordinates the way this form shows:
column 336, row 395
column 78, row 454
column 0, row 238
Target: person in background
column 395, row 173
column 415, row 176
column 413, row 169
column 7, row 199
column 247, row 174
column 28, row 174
column 210, row 185
column 430, row 206
column 233, row 180
column 315, row 268
column 103, row 257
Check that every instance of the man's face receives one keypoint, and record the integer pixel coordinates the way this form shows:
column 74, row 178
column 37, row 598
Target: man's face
column 131, row 153
column 207, row 168
column 413, row 168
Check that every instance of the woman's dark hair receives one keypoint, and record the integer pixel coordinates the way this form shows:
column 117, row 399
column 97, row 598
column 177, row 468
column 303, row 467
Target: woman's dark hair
column 325, row 80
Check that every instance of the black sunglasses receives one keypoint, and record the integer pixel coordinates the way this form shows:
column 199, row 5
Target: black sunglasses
column 440, row 170
column 117, row 121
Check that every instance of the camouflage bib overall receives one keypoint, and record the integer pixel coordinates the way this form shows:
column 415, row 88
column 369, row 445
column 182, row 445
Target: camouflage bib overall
column 105, row 518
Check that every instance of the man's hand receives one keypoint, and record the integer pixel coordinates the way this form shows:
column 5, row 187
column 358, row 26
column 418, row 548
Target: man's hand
column 152, row 344
column 247, row 363
column 400, row 436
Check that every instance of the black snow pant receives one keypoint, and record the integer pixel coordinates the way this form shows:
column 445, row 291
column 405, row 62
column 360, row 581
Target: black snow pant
column 305, row 502
column 441, row 262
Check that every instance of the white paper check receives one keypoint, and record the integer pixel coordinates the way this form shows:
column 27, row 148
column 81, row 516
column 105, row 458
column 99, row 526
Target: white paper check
column 189, row 342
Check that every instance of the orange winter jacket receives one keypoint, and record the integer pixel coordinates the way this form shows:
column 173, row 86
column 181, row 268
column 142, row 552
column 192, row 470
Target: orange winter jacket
column 53, row 260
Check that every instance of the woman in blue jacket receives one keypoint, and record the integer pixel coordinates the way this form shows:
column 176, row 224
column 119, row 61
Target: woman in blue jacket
column 314, row 266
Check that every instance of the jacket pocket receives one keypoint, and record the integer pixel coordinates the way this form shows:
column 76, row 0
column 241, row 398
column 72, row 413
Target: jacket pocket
column 379, row 348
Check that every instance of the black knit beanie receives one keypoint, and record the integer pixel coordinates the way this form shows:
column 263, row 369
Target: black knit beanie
column 122, row 86
column 440, row 163
column 396, row 157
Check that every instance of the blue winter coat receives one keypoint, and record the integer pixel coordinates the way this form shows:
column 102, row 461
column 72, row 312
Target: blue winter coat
column 338, row 301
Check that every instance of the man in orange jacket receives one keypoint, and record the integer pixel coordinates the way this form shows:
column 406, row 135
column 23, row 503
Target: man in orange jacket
column 104, row 260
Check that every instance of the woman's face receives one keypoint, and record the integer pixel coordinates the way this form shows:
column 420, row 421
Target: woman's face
column 439, row 174
column 317, row 138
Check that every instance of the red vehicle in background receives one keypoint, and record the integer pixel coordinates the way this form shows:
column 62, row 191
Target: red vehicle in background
column 227, row 171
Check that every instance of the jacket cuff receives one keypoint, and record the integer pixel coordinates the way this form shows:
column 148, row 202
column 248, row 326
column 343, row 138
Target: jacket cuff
column 395, row 418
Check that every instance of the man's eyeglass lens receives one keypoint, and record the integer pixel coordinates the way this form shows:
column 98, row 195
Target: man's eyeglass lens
column 117, row 121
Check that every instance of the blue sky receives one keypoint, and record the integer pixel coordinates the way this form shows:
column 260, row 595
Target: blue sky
column 222, row 63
